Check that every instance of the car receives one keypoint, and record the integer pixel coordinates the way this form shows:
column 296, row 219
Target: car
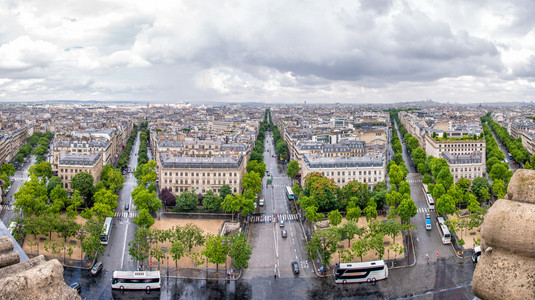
column 261, row 202
column 284, row 233
column 96, row 269
column 76, row 286
column 281, row 223
column 126, row 206
column 295, row 267
column 427, row 216
column 267, row 172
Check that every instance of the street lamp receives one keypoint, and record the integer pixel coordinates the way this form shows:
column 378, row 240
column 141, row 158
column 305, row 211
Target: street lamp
column 165, row 250
column 81, row 235
column 324, row 240
column 150, row 240
column 226, row 242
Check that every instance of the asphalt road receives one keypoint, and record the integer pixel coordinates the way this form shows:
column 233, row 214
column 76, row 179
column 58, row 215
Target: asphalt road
column 20, row 177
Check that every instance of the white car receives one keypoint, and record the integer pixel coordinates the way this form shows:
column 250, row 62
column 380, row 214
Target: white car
column 261, row 202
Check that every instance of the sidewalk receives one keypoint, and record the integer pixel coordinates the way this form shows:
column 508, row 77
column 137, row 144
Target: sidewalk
column 200, row 274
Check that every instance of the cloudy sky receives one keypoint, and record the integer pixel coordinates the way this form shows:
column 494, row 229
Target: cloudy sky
column 268, row 50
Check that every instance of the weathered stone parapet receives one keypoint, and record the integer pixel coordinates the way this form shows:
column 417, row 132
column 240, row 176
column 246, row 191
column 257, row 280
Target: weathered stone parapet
column 510, row 226
column 503, row 275
column 506, row 268
column 8, row 256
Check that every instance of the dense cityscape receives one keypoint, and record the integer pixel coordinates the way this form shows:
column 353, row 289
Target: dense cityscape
column 239, row 201
column 267, row 149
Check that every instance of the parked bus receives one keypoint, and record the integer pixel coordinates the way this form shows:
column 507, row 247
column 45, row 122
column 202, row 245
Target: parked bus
column 136, row 280
column 369, row 271
column 430, row 201
column 443, row 231
column 289, row 193
column 106, row 231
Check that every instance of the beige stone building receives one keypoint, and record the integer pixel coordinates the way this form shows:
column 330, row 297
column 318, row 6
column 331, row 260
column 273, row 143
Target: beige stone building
column 200, row 174
column 368, row 169
column 71, row 164
column 11, row 142
column 465, row 165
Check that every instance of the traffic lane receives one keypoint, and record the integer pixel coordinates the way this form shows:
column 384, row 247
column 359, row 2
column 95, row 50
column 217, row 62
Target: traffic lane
column 292, row 249
column 264, row 255
column 93, row 287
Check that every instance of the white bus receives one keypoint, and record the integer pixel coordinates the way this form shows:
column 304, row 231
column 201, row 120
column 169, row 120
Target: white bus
column 136, row 280
column 430, row 201
column 106, row 231
column 443, row 230
column 369, row 271
column 289, row 193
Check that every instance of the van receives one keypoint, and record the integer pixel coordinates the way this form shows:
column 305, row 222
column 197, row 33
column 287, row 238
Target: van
column 428, row 222
column 477, row 254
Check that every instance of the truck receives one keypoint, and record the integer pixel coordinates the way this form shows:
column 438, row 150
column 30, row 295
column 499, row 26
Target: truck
column 428, row 222
column 477, row 254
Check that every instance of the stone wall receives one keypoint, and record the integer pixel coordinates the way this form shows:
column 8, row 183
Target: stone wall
column 506, row 268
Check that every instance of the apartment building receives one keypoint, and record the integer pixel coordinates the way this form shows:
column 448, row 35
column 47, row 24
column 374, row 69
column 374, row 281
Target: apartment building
column 10, row 143
column 71, row 164
column 465, row 165
column 81, row 147
column 370, row 168
column 200, row 174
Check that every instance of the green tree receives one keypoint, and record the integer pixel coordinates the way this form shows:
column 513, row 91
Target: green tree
column 412, row 142
column 144, row 219
column 144, row 198
column 445, row 178
column 407, row 209
column 348, row 230
column 59, row 199
column 335, row 218
column 395, row 174
column 324, row 192
column 353, row 213
column 478, row 184
column 192, row 236
column 224, row 191
column 500, row 171
column 498, row 186
column 146, row 174
column 240, row 250
column 324, row 242
column 232, row 204
column 106, row 197
column 43, row 169
column 187, row 201
column 52, row 183
column 293, row 169
column 312, row 215
column 361, row 247
column 252, row 181
column 91, row 244
column 257, row 167
column 83, row 182
column 211, row 201
column 371, row 210
column 438, row 191
column 445, row 205
column 138, row 248
column 405, row 188
column 358, row 190
column 99, row 210
column 464, row 184
column 31, row 198
column 215, row 251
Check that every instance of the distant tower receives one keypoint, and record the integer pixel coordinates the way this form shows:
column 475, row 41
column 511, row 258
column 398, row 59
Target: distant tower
column 305, row 103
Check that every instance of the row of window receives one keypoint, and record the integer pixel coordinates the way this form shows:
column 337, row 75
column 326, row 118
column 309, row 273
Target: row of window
column 343, row 173
column 362, row 180
column 183, row 189
column 466, row 169
column 193, row 174
column 469, row 176
column 204, row 181
column 72, row 171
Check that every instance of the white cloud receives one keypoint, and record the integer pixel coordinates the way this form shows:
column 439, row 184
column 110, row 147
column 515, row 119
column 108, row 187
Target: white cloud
column 386, row 50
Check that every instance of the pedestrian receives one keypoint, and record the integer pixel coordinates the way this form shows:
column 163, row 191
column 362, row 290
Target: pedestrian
column 437, row 255
column 427, row 257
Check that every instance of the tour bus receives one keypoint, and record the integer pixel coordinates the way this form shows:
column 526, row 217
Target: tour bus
column 136, row 280
column 289, row 193
column 443, row 231
column 430, row 201
column 106, row 231
column 369, row 271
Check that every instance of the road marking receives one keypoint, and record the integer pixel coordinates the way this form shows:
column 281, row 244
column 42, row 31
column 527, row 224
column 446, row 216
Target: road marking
column 124, row 245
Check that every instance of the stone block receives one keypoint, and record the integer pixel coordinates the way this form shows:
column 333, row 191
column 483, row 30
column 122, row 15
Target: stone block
column 522, row 186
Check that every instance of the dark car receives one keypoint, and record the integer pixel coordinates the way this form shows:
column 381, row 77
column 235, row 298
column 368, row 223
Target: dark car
column 126, row 206
column 284, row 233
column 295, row 267
column 76, row 286
column 96, row 269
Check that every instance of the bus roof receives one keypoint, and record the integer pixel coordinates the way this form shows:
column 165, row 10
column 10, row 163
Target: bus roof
column 363, row 264
column 134, row 274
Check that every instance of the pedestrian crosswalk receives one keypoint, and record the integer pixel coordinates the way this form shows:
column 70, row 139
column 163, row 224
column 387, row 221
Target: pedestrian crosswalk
column 417, row 180
column 423, row 210
column 273, row 218
column 121, row 214
column 304, row 264
column 7, row 207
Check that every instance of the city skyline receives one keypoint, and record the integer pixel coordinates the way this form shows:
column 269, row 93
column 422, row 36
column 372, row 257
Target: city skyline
column 271, row 52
